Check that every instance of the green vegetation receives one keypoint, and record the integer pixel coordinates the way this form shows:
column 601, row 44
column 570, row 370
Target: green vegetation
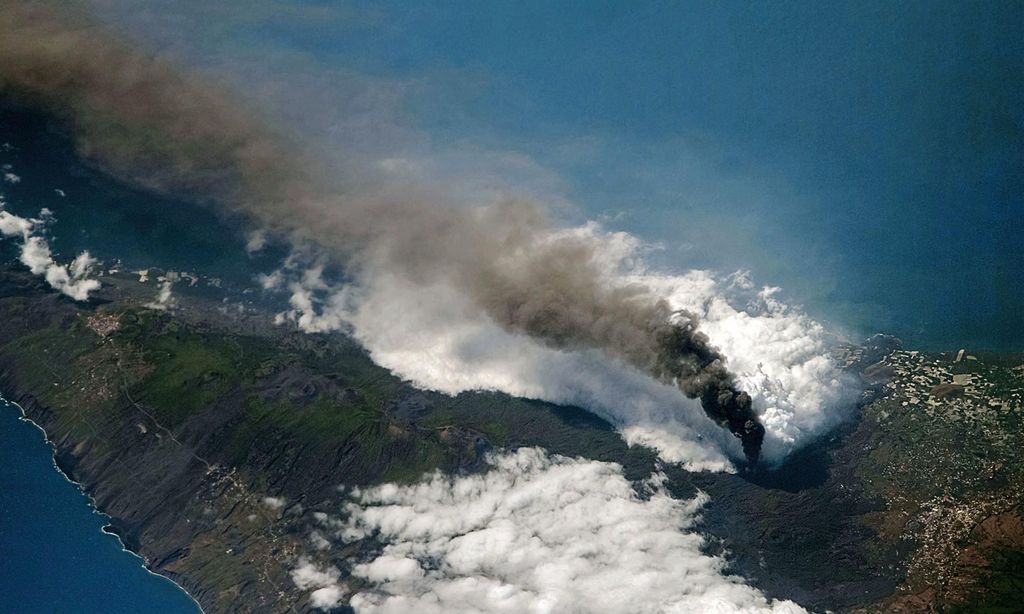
column 186, row 370
column 322, row 423
column 41, row 357
column 214, row 449
column 190, row 373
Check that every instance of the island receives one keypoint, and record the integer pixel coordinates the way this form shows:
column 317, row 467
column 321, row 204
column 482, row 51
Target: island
column 222, row 446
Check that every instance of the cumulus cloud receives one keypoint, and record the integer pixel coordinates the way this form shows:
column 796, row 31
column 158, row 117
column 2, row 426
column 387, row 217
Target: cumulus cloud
column 327, row 597
column 315, row 306
column 35, row 254
column 8, row 174
column 779, row 355
column 82, row 264
column 537, row 533
column 308, row 575
column 163, row 298
column 327, row 592
column 74, row 281
column 12, row 225
column 255, row 241
column 274, row 503
column 318, row 541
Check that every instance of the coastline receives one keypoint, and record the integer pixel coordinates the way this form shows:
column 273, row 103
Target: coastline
column 195, row 506
column 105, row 529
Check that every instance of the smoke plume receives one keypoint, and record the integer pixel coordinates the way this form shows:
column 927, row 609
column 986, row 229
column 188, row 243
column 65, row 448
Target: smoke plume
column 144, row 120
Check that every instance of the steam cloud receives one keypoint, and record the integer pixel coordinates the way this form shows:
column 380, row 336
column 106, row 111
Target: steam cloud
column 148, row 122
column 436, row 338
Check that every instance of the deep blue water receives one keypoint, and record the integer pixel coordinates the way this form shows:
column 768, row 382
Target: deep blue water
column 865, row 156
column 111, row 219
column 54, row 556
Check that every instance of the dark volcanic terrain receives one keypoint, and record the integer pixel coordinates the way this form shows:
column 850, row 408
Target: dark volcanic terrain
column 215, row 441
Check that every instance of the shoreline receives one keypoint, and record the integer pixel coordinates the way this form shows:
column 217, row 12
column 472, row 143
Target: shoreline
column 105, row 529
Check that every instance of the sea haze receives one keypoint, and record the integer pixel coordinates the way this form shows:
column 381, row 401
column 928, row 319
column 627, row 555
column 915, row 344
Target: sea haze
column 112, row 220
column 865, row 156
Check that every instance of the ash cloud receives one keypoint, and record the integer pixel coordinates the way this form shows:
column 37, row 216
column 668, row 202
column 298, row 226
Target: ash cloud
column 436, row 338
column 147, row 121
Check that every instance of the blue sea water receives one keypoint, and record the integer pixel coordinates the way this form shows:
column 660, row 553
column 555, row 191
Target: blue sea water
column 54, row 556
column 865, row 156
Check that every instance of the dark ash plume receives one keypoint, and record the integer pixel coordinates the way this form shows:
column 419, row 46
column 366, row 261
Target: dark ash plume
column 147, row 121
column 700, row 372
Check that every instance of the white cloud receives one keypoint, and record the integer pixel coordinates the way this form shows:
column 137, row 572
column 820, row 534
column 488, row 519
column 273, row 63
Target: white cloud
column 537, row 533
column 316, row 307
column 326, row 598
column 319, row 541
column 255, row 241
column 308, row 575
column 327, row 592
column 82, row 264
column 270, row 281
column 163, row 298
column 312, row 313
column 12, row 225
column 36, row 255
column 274, row 503
column 779, row 354
column 75, row 283
column 436, row 337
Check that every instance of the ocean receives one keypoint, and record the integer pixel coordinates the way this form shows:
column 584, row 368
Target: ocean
column 54, row 555
column 864, row 157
